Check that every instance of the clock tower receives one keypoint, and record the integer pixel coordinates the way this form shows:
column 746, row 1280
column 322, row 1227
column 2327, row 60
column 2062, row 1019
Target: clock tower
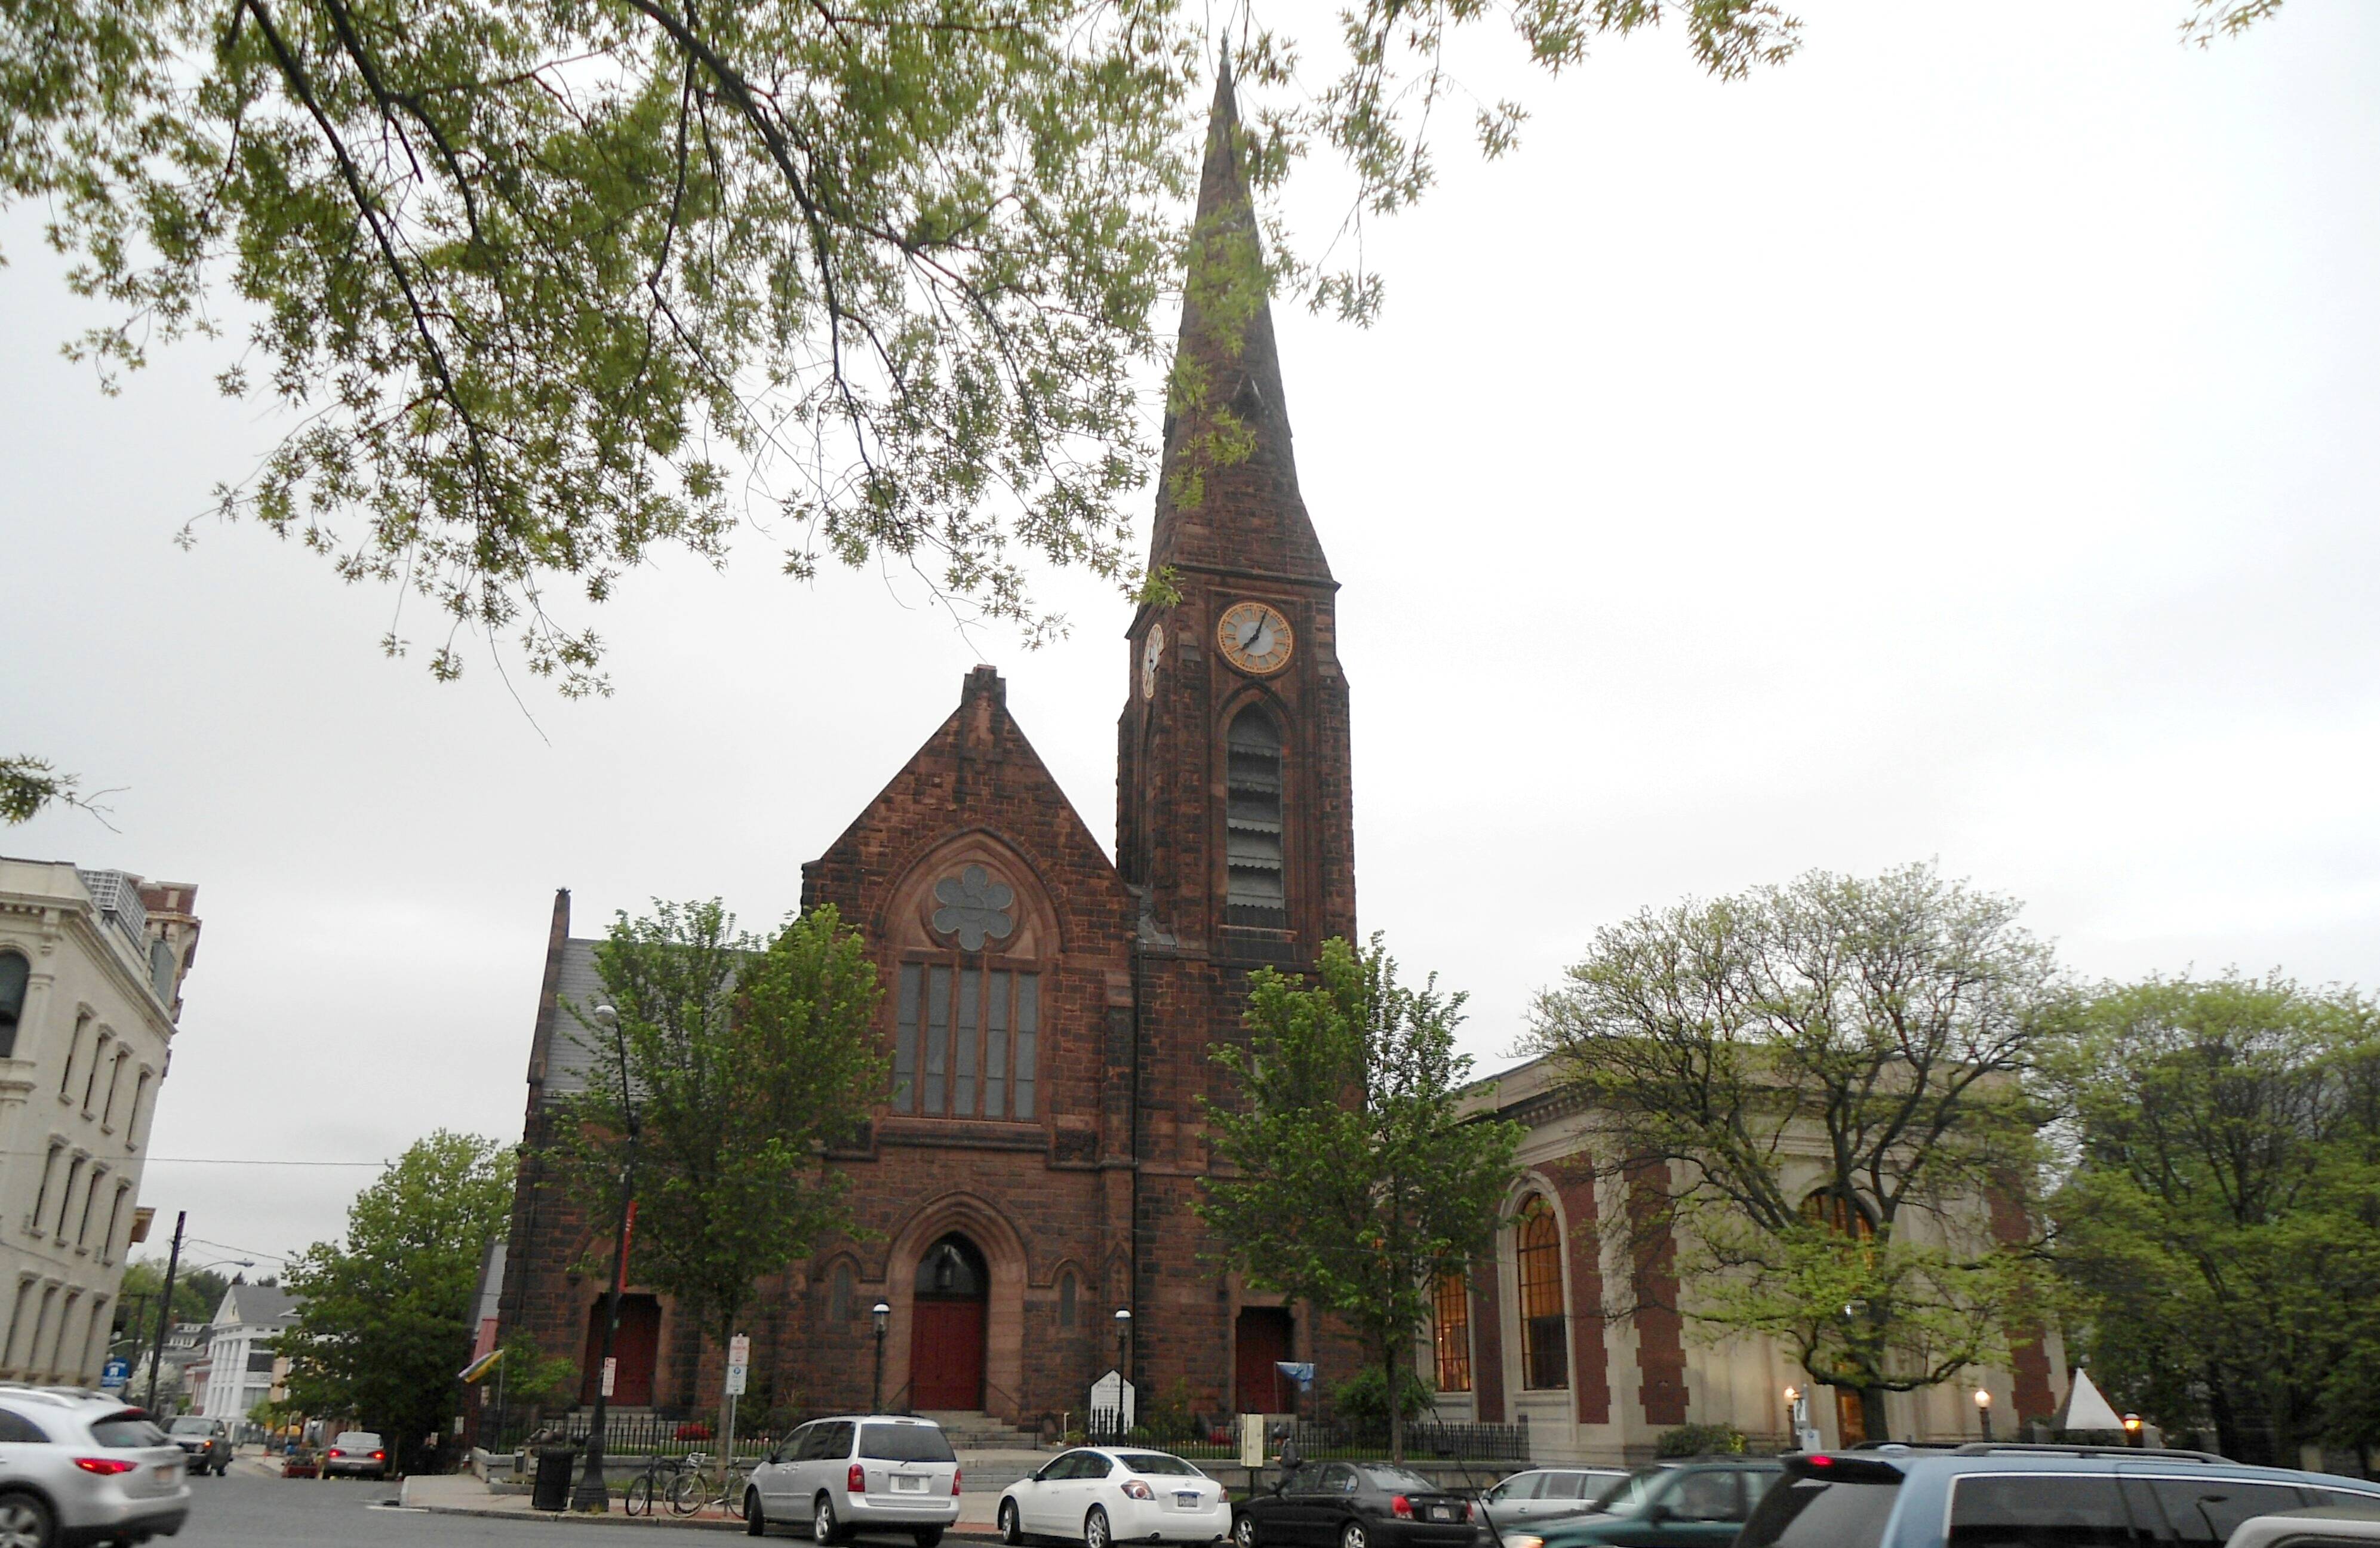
column 1234, row 809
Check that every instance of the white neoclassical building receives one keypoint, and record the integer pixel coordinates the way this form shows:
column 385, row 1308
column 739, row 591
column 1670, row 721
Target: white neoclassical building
column 91, row 972
column 1528, row 1339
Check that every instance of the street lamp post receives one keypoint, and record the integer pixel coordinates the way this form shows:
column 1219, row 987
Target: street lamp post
column 883, row 1314
column 1984, row 1410
column 593, row 1494
column 1123, row 1338
column 2133, row 1430
column 1792, row 1435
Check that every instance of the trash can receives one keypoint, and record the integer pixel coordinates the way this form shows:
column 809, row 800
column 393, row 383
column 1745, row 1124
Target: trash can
column 552, row 1490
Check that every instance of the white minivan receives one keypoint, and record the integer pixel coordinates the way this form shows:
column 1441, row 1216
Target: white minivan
column 880, row 1472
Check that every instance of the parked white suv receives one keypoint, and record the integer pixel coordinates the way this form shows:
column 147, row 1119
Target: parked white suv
column 878, row 1472
column 78, row 1466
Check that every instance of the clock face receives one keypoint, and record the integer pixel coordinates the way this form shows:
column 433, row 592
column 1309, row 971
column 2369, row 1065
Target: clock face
column 1151, row 653
column 1253, row 637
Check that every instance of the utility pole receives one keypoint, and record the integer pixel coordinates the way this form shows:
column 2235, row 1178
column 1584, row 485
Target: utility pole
column 165, row 1308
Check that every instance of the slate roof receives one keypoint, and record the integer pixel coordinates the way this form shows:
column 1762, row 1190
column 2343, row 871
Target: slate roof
column 255, row 1306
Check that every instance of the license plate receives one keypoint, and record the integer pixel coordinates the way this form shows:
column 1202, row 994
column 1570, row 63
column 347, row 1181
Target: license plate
column 1441, row 1513
column 909, row 1485
column 171, row 1470
column 1188, row 1502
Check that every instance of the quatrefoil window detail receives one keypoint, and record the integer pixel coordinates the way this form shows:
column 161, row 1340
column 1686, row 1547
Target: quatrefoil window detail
column 975, row 908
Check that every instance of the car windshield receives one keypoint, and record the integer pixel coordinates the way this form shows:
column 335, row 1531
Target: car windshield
column 1156, row 1464
column 128, row 1430
column 190, row 1425
column 904, row 1443
column 1628, row 1496
column 1383, row 1476
column 356, row 1440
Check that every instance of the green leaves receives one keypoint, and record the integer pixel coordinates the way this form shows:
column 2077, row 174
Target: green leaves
column 1838, row 1075
column 384, row 1316
column 743, row 1061
column 2218, row 1220
column 1346, row 1173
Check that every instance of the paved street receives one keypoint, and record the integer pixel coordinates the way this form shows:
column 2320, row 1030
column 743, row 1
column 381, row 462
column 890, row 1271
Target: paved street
column 250, row 1512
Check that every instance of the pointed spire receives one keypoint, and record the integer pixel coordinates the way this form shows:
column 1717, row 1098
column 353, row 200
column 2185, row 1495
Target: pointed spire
column 1229, row 495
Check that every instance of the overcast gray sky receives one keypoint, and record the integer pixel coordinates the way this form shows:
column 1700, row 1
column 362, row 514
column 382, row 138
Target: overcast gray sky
column 1958, row 442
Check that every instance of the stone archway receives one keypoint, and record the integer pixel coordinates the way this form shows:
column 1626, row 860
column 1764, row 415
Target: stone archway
column 988, row 1230
column 947, row 1322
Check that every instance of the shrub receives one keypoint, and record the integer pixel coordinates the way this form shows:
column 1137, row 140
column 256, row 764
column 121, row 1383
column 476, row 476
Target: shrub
column 1171, row 1418
column 1700, row 1440
column 1363, row 1399
column 694, row 1429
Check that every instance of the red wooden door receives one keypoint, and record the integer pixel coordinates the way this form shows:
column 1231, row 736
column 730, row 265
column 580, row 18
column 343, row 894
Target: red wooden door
column 946, row 1354
column 635, row 1344
column 1263, row 1338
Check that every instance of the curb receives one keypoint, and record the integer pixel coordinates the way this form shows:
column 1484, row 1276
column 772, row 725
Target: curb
column 559, row 1518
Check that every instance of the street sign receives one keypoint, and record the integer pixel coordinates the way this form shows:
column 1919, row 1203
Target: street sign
column 611, row 1373
column 736, row 1376
column 739, row 1349
column 116, row 1373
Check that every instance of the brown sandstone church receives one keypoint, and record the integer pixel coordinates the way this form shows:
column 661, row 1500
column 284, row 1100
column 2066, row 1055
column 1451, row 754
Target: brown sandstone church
column 1031, row 1167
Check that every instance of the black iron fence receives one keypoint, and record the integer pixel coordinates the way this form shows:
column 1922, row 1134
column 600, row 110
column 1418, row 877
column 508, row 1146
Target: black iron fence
column 1424, row 1440
column 628, row 1435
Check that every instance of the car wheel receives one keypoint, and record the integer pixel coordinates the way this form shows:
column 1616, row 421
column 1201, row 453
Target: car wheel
column 25, row 1522
column 1096, row 1533
column 1353, row 1535
column 928, row 1536
column 755, row 1519
column 1010, row 1530
column 1244, row 1532
column 823, row 1526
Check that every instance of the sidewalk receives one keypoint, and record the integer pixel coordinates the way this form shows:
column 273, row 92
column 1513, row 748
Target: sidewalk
column 462, row 1495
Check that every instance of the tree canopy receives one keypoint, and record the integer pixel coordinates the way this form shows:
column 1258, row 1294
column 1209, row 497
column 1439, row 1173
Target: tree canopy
column 2221, row 1221
column 736, row 1064
column 1347, row 1172
column 545, row 286
column 384, row 1315
column 1826, row 1087
column 198, row 1293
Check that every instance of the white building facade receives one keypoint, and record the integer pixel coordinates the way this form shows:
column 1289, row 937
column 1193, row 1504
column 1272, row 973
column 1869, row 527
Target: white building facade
column 1530, row 1339
column 243, row 1367
column 91, row 965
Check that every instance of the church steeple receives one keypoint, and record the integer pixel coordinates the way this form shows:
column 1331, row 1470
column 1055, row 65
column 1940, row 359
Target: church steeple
column 1228, row 496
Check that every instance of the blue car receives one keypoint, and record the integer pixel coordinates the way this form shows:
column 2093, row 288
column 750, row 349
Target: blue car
column 1986, row 1496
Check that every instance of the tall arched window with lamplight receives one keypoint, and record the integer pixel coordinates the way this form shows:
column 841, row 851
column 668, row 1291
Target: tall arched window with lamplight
column 1450, row 1332
column 1537, row 1241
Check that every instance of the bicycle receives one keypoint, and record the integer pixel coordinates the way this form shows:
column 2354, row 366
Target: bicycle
column 692, row 1489
column 652, row 1482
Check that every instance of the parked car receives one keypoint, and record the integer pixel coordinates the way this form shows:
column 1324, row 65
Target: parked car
column 206, row 1442
column 355, row 1454
column 2011, row 1495
column 1545, row 1491
column 1696, row 1502
column 2308, row 1529
column 878, row 1471
column 1353, row 1505
column 81, row 1467
column 1102, row 1495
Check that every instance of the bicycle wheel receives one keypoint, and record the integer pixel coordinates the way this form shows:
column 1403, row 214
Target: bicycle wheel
column 687, row 1493
column 640, row 1495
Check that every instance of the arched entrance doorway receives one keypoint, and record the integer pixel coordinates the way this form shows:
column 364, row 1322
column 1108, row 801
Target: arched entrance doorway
column 946, row 1326
column 635, row 1345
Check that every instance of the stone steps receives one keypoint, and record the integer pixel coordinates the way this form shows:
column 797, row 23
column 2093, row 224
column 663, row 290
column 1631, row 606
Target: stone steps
column 971, row 1430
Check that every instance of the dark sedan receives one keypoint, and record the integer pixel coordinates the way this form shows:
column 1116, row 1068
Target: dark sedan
column 1353, row 1505
column 206, row 1442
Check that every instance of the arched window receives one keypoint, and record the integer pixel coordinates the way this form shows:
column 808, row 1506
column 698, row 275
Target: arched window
column 967, row 1019
column 1257, row 891
column 1826, row 1207
column 1067, row 1292
column 1451, row 1329
column 1545, row 1355
column 839, row 1296
column 952, row 1269
column 14, row 972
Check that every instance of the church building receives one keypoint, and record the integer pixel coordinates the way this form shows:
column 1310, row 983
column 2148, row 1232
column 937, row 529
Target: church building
column 1030, row 1170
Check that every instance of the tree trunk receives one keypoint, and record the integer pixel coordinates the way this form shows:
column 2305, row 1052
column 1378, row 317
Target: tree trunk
column 1396, row 1403
column 1872, row 1414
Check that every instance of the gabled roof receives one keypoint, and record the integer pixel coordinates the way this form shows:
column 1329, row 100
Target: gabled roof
column 247, row 1305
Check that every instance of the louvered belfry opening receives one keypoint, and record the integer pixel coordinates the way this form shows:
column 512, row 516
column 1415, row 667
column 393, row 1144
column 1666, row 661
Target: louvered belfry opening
column 1257, row 894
